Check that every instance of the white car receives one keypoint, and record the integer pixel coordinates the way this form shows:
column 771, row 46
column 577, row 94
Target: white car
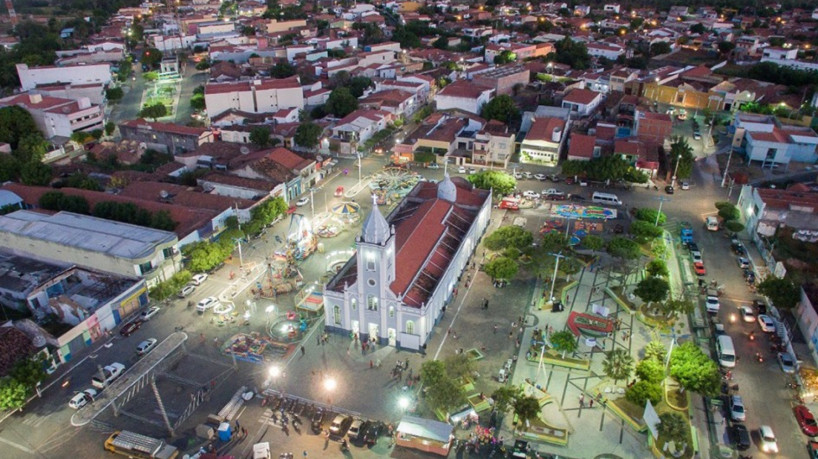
column 518, row 175
column 461, row 170
column 737, row 411
column 302, row 202
column 111, row 372
column 207, row 303
column 766, row 323
column 186, row 290
column 82, row 398
column 685, row 186
column 540, row 177
column 145, row 346
column 198, row 279
column 150, row 312
column 787, row 362
column 768, row 443
column 712, row 304
column 433, row 166
column 552, row 192
column 747, row 314
column 531, row 194
column 528, row 175
column 743, row 262
column 472, row 171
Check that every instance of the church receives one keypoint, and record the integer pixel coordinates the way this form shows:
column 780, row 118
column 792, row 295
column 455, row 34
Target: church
column 397, row 285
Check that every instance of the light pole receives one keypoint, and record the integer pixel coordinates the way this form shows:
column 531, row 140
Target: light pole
column 661, row 200
column 312, row 202
column 675, row 170
column 274, row 372
column 359, row 169
column 559, row 255
column 726, row 167
column 330, row 384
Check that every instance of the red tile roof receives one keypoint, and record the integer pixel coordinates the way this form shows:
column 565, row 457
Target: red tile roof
column 241, row 86
column 543, row 128
column 171, row 128
column 464, row 89
column 581, row 96
column 581, row 146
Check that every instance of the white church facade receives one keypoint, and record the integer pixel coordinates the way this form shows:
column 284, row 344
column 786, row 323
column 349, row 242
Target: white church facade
column 398, row 284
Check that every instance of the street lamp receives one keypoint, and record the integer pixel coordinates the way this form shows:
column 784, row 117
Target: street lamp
column 676, row 169
column 330, row 384
column 359, row 169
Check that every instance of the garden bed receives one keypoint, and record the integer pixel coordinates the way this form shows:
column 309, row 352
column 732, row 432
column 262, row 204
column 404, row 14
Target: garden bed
column 552, row 357
column 474, row 354
column 539, row 430
column 678, row 401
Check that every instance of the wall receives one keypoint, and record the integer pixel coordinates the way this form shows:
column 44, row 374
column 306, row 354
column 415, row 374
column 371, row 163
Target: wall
column 31, row 77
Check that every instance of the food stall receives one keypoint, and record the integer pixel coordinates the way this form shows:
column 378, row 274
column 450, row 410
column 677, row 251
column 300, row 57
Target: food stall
column 424, row 435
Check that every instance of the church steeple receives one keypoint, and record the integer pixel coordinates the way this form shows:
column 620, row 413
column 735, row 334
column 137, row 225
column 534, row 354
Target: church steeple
column 446, row 189
column 376, row 229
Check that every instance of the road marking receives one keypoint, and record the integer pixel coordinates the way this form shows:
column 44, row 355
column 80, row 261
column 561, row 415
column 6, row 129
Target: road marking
column 18, row 446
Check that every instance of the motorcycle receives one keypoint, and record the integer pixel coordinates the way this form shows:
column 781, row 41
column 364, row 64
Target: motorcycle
column 752, row 336
column 759, row 357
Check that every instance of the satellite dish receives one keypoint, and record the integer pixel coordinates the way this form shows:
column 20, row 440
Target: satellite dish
column 38, row 341
column 163, row 194
column 244, row 150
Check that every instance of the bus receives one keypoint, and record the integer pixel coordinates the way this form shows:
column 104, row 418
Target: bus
column 140, row 446
column 606, row 198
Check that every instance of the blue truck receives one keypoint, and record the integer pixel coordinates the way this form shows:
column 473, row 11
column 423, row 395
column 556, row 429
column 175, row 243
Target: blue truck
column 686, row 235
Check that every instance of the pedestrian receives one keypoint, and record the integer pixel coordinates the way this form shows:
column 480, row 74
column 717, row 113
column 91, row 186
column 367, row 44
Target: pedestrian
column 318, row 340
column 567, row 298
column 510, row 335
column 582, row 400
column 495, row 329
column 305, row 453
column 371, row 364
column 238, row 426
column 591, row 403
column 303, row 351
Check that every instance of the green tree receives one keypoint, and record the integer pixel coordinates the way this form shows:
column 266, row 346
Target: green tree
column 282, row 69
column 501, row 268
column 442, row 392
column 618, row 364
column 681, row 152
column 652, row 289
column 197, row 102
column 655, row 350
column 31, row 148
column 505, row 57
column 498, row 181
column 553, row 241
column 660, row 47
column 81, row 181
column 114, row 94
column 621, row 247
column 673, row 427
column 698, row 28
column 563, row 341
column 458, row 366
column 110, row 127
column 648, row 215
column 526, row 408
column 260, row 136
column 642, row 391
column 657, row 268
column 783, row 292
column 15, row 123
column 13, row 394
column 163, row 221
column 28, row 371
column 593, row 242
column 9, row 168
column 734, row 226
column 504, row 397
column 570, row 52
column 150, row 76
column 58, row 201
column 730, row 212
column 650, row 370
column 501, row 108
column 35, row 173
column 677, row 306
column 154, row 111
column 645, row 231
column 357, row 85
column 341, row 102
column 509, row 236
column 204, row 64
column 694, row 370
column 308, row 134
column 441, row 43
column 151, row 57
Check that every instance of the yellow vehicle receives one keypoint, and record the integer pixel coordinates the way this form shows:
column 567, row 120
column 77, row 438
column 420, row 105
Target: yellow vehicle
column 135, row 445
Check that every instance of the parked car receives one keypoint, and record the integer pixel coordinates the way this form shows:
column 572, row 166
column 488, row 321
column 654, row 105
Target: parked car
column 373, row 432
column 682, row 115
column 669, row 189
column 766, row 323
column 552, row 192
column 740, row 436
column 787, row 362
column 531, row 194
column 747, row 313
column 812, row 449
column 737, row 411
column 187, row 290
column 528, row 175
column 82, row 398
column 806, row 421
column 302, row 202
column 554, row 178
column 145, row 346
column 339, row 426
column 317, row 421
column 577, row 197
column 743, row 262
column 518, row 175
column 433, row 166
column 148, row 313
column 540, row 177
column 130, row 328
column 699, row 268
column 111, row 373
column 357, row 429
column 693, row 248
column 697, row 135
column 760, row 306
column 207, row 303
column 461, row 170
column 198, row 279
column 738, row 247
column 685, row 186
column 697, row 257
column 712, row 304
column 768, row 443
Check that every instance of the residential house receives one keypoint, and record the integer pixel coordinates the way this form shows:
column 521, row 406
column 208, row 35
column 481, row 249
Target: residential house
column 279, row 165
column 643, row 156
column 544, row 141
column 502, row 79
column 353, row 130
column 762, row 138
column 437, row 134
column 256, row 96
column 806, row 313
column 582, row 102
column 463, row 95
column 166, row 137
column 398, row 103
column 609, row 51
column 58, row 118
column 787, row 57
column 652, row 127
column 766, row 210
column 493, row 144
column 582, row 147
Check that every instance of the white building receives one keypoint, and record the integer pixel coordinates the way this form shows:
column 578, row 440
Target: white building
column 359, row 126
column 761, row 138
column 609, row 51
column 58, row 117
column 463, row 95
column 787, row 57
column 544, row 141
column 74, row 74
column 582, row 102
column 398, row 284
column 256, row 96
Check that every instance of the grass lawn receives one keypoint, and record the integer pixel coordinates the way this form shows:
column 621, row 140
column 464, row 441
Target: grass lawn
column 631, row 409
column 676, row 398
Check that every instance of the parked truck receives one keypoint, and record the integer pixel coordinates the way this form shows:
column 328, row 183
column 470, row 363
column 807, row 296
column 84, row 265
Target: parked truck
column 686, row 235
column 136, row 445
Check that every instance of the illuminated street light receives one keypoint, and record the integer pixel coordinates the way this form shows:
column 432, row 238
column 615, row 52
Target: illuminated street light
column 274, row 371
column 403, row 403
column 330, row 384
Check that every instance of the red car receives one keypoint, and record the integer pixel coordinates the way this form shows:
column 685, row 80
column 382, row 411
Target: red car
column 699, row 268
column 131, row 327
column 806, row 420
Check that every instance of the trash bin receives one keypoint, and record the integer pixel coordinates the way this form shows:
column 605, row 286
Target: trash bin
column 224, row 431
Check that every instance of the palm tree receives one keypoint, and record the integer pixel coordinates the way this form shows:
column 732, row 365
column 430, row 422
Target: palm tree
column 673, row 427
column 618, row 365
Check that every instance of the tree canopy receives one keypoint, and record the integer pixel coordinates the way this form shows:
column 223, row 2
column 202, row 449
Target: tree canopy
column 652, row 289
column 501, row 108
column 563, row 341
column 509, row 236
column 442, row 391
column 307, row 135
column 618, row 365
column 154, row 111
column 499, row 181
column 504, row 57
column 783, row 292
column 621, row 247
column 501, row 268
column 282, row 69
column 260, row 136
column 611, row 167
column 570, row 52
column 694, row 370
column 341, row 102
column 681, row 152
column 15, row 123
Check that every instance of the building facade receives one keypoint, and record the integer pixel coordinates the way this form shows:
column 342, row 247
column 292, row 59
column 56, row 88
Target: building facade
column 255, row 96
column 166, row 137
column 30, row 78
column 396, row 287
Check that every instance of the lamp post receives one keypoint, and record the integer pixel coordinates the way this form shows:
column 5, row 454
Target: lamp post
column 661, row 200
column 330, row 384
column 359, row 170
column 559, row 255
column 274, row 372
column 675, row 170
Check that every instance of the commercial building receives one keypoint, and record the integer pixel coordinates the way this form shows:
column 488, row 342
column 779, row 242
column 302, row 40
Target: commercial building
column 31, row 77
column 543, row 142
column 166, row 137
column 57, row 117
column 254, row 96
column 396, row 287
column 502, row 79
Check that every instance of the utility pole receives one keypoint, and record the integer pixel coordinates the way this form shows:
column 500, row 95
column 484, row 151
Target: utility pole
column 675, row 170
column 559, row 255
column 661, row 200
column 729, row 157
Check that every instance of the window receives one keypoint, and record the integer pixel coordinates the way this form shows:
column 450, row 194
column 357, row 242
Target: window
column 410, row 327
column 145, row 268
column 337, row 312
column 391, row 311
column 353, row 303
column 680, row 98
column 372, row 302
column 370, row 262
column 371, row 282
column 168, row 252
